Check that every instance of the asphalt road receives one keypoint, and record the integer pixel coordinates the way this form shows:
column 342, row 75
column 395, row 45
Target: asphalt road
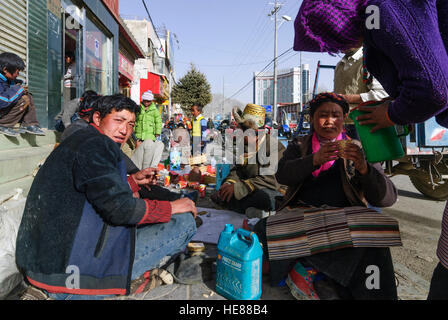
column 420, row 222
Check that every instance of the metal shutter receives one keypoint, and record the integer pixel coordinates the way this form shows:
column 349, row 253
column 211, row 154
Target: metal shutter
column 13, row 28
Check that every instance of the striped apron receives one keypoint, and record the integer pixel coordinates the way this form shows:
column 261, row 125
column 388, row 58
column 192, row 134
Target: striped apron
column 301, row 232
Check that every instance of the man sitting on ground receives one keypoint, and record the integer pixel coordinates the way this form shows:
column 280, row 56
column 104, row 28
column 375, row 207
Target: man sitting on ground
column 247, row 189
column 16, row 104
column 85, row 233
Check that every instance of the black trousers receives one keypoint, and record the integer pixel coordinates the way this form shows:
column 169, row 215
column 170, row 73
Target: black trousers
column 158, row 193
column 263, row 199
column 439, row 284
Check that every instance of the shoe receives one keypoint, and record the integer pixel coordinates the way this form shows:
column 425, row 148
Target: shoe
column 33, row 293
column 249, row 224
column 189, row 270
column 199, row 222
column 150, row 280
column 253, row 212
column 8, row 131
column 34, row 130
column 301, row 283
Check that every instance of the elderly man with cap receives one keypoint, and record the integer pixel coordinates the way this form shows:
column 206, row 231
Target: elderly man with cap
column 251, row 186
column 148, row 127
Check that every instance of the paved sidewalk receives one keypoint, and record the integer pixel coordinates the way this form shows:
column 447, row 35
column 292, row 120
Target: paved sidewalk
column 410, row 284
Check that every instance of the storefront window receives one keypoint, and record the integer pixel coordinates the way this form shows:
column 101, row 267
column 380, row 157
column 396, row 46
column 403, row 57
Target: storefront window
column 98, row 75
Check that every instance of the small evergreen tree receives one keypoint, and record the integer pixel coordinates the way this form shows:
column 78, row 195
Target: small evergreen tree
column 191, row 88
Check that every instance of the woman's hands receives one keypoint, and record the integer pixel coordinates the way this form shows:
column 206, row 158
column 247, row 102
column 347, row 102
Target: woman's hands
column 327, row 152
column 354, row 153
column 332, row 151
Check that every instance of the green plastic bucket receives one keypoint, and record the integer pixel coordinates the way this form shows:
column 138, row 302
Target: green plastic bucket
column 384, row 144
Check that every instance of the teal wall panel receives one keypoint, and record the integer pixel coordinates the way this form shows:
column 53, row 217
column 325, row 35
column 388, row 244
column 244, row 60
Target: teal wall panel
column 38, row 58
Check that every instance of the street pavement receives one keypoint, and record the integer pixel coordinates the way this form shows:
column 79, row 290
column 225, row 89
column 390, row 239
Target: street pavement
column 420, row 224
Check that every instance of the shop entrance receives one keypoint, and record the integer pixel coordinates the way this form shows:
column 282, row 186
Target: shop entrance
column 72, row 53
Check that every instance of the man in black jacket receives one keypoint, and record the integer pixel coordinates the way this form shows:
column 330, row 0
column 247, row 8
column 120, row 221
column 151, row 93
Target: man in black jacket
column 78, row 238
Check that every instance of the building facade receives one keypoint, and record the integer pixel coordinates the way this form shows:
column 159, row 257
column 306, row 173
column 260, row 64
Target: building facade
column 289, row 83
column 155, row 71
column 306, row 85
column 89, row 31
column 129, row 51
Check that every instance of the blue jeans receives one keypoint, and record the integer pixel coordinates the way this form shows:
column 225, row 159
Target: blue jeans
column 154, row 242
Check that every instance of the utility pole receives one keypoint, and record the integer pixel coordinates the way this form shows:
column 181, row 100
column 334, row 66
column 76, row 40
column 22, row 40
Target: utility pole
column 170, row 74
column 274, row 105
column 300, row 83
column 223, row 99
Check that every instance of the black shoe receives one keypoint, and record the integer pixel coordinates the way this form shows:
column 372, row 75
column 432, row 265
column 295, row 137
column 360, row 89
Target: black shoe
column 8, row 131
column 34, row 130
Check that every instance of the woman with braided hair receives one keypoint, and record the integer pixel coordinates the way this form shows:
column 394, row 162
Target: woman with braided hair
column 322, row 173
column 405, row 48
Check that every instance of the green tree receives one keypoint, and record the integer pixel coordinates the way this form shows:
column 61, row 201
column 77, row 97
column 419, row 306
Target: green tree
column 192, row 88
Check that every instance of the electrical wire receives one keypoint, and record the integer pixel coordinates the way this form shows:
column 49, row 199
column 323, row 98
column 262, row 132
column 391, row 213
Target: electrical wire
column 261, row 45
column 257, row 37
column 259, row 73
column 223, row 65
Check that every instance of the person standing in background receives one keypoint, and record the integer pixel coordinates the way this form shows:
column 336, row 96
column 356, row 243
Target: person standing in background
column 69, row 78
column 148, row 128
column 199, row 129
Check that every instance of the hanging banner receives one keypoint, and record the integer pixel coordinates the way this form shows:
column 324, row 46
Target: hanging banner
column 125, row 67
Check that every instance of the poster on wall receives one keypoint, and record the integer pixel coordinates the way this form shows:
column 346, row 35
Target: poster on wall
column 97, row 48
column 125, row 66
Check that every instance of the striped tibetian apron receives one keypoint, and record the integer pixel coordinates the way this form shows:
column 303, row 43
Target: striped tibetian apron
column 442, row 247
column 301, row 232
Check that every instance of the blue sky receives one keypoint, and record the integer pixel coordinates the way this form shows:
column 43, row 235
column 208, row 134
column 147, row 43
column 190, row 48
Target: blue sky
column 229, row 40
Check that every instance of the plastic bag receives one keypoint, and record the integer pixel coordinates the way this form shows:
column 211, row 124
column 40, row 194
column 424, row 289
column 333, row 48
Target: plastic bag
column 11, row 212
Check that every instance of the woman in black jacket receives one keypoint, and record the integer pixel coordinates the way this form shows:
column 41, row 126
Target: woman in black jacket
column 327, row 168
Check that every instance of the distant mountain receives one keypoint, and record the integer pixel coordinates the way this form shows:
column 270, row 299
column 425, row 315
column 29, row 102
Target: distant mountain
column 215, row 107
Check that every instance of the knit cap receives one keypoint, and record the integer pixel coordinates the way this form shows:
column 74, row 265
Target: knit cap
column 147, row 95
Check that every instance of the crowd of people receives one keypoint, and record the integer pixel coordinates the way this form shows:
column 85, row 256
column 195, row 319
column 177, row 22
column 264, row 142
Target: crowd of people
column 95, row 204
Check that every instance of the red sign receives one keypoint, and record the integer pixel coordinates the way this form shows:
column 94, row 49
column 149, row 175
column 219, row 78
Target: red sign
column 152, row 83
column 113, row 6
column 125, row 67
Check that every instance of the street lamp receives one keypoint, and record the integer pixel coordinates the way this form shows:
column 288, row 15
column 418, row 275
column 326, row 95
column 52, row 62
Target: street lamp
column 285, row 18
